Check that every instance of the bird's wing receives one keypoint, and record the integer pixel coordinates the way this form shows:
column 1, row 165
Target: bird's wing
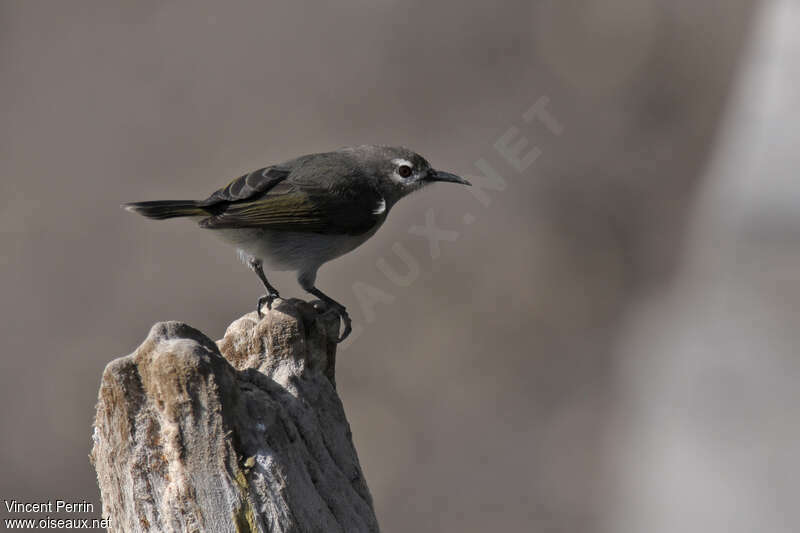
column 248, row 186
column 305, row 207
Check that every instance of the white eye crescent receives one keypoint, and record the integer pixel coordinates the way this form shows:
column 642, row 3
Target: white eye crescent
column 404, row 169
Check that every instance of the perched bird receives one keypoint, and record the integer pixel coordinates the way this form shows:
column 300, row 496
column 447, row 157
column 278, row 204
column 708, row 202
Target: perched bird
column 300, row 214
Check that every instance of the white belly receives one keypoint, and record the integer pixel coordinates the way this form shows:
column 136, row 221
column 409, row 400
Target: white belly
column 295, row 251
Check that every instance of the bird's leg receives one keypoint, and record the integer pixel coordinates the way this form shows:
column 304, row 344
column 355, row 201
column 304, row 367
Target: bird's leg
column 307, row 279
column 272, row 292
column 339, row 308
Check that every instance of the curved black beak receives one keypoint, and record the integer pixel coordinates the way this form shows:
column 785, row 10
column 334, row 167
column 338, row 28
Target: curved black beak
column 438, row 175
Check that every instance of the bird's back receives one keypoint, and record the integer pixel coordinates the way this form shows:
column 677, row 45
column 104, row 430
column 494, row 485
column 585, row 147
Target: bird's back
column 324, row 193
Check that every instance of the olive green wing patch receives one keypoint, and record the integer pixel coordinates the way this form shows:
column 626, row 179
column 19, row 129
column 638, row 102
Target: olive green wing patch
column 248, row 186
column 293, row 209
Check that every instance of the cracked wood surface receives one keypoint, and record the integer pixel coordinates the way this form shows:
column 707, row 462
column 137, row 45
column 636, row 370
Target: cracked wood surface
column 246, row 434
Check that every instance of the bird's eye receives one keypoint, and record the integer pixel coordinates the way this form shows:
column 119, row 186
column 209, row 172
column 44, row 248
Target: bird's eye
column 404, row 171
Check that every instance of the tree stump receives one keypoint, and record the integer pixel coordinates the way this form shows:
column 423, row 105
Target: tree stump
column 246, row 434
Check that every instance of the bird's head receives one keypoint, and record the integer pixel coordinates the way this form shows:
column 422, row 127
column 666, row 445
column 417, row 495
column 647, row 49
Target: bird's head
column 398, row 171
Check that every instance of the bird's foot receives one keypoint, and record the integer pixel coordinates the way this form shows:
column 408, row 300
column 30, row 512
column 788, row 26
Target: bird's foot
column 341, row 312
column 348, row 324
column 266, row 299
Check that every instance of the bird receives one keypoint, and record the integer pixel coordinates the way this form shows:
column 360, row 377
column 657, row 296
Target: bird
column 300, row 214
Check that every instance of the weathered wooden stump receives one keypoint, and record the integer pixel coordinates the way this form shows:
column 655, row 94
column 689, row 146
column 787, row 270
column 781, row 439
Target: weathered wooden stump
column 246, row 434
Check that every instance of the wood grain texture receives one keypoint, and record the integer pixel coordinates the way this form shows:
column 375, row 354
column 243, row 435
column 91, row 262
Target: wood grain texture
column 246, row 434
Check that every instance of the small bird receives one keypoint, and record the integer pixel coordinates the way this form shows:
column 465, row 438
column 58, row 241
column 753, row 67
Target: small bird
column 300, row 214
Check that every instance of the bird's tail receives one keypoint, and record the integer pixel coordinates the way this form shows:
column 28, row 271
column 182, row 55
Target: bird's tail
column 162, row 209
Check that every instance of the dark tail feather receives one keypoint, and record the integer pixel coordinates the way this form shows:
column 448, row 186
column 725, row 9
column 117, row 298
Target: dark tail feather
column 162, row 209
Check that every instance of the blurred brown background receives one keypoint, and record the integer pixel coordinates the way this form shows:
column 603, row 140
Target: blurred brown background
column 608, row 346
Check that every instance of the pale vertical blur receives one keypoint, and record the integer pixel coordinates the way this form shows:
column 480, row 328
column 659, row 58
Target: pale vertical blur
column 562, row 365
column 709, row 402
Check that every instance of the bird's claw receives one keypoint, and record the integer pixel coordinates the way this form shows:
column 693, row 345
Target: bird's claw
column 341, row 312
column 348, row 324
column 265, row 299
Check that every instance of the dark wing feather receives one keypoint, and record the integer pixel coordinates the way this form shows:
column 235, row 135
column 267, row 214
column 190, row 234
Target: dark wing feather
column 248, row 186
column 304, row 208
